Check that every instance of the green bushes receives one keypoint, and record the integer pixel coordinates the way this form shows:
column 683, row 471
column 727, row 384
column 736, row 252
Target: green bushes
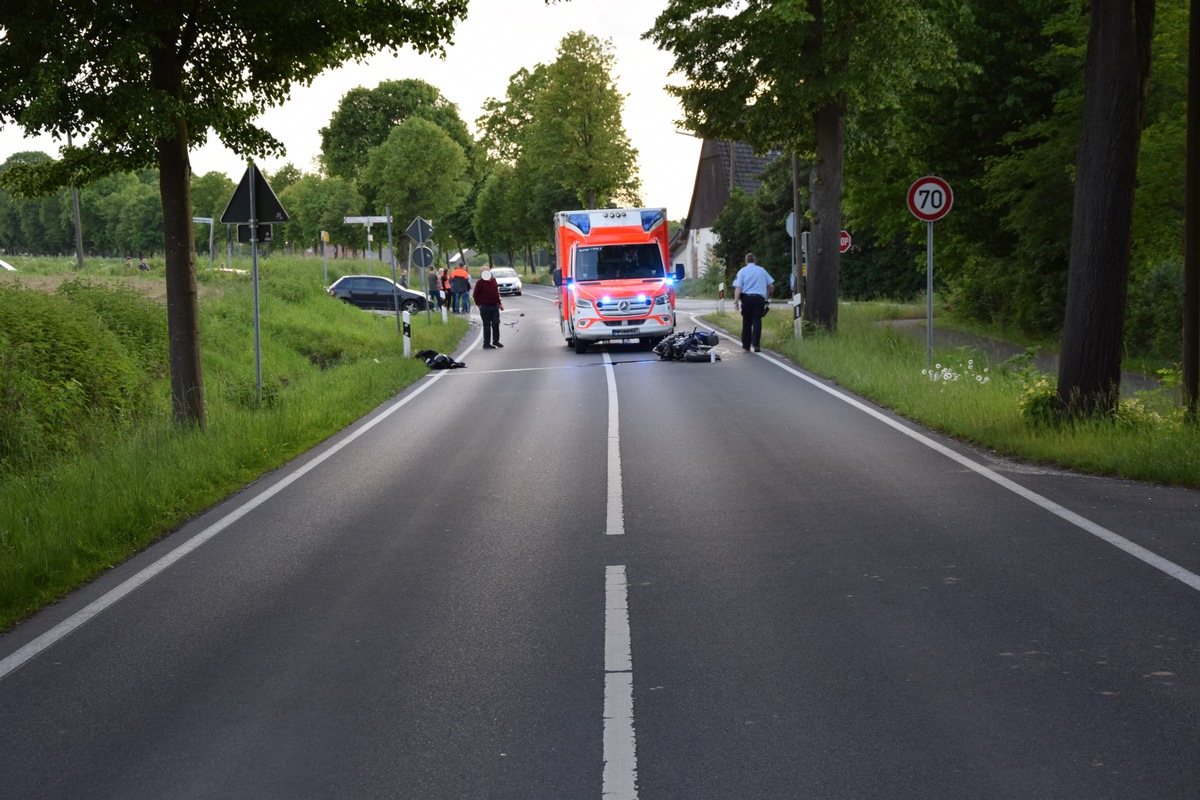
column 139, row 324
column 1154, row 315
column 68, row 379
column 92, row 467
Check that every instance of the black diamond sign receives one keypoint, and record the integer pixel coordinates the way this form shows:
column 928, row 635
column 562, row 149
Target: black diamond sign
column 419, row 230
column 266, row 204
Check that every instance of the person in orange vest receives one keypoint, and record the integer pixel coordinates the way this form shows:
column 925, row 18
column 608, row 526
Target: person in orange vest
column 460, row 284
column 444, row 277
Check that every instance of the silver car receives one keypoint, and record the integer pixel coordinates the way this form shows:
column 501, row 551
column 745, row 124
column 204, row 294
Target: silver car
column 508, row 279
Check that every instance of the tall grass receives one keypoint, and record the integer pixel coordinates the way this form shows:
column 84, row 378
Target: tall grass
column 324, row 365
column 972, row 399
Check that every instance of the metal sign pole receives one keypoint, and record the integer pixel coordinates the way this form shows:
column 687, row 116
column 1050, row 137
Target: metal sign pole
column 929, row 199
column 929, row 293
column 387, row 211
column 254, row 273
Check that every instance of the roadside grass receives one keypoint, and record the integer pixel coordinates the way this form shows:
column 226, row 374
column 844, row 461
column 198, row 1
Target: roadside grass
column 980, row 402
column 324, row 365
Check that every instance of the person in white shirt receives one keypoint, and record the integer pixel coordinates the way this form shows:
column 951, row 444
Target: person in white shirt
column 751, row 288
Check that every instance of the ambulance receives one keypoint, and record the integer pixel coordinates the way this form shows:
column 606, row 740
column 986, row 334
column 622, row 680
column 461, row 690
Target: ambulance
column 612, row 276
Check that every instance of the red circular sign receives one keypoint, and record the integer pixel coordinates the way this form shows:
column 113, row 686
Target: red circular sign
column 930, row 198
column 844, row 242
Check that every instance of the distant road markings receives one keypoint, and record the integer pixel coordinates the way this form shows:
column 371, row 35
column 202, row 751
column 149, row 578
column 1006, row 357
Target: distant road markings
column 620, row 745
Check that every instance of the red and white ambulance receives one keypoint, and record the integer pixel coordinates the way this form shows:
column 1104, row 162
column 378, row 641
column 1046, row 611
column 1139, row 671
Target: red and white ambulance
column 613, row 276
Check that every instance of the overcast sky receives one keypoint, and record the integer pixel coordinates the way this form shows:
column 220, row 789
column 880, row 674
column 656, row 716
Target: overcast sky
column 497, row 38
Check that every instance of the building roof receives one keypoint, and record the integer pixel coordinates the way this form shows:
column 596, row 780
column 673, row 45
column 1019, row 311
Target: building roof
column 723, row 164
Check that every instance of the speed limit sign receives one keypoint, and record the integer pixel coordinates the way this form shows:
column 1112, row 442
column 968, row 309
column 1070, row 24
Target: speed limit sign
column 930, row 198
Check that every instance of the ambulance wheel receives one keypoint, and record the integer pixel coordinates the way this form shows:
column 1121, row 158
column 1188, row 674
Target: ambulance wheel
column 580, row 345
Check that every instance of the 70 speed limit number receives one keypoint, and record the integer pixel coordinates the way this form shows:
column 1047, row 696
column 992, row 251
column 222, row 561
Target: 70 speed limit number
column 930, row 198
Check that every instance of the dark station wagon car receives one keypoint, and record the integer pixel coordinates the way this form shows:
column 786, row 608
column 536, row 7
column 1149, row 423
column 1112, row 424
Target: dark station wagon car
column 376, row 293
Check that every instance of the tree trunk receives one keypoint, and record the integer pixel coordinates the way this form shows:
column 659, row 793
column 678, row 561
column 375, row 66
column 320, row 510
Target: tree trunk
column 1116, row 72
column 825, row 202
column 183, row 304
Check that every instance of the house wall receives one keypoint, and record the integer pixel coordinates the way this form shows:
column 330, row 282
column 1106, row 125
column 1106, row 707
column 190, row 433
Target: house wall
column 693, row 254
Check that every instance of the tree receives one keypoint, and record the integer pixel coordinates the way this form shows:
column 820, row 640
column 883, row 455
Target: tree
column 283, row 177
column 1116, row 73
column 318, row 204
column 498, row 211
column 140, row 82
column 575, row 138
column 418, row 171
column 1004, row 136
column 210, row 195
column 530, row 196
column 503, row 122
column 141, row 219
column 365, row 117
column 784, row 74
column 100, row 211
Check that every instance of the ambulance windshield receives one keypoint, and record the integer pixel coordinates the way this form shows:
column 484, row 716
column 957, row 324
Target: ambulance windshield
column 618, row 262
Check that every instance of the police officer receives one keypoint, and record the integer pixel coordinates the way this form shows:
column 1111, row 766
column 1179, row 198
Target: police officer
column 751, row 288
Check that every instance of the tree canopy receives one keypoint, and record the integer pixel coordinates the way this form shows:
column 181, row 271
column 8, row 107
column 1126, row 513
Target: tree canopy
column 365, row 117
column 785, row 74
column 418, row 171
column 576, row 138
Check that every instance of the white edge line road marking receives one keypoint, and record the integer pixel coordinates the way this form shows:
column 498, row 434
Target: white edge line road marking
column 620, row 744
column 97, row 606
column 1100, row 532
column 615, row 525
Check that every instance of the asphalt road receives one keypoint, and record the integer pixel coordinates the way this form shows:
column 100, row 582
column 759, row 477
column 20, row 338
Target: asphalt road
column 553, row 575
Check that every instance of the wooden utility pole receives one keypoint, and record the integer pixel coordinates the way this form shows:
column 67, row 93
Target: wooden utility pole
column 1191, row 249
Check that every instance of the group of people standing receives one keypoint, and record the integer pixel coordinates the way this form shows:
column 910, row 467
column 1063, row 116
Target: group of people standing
column 454, row 289
column 451, row 289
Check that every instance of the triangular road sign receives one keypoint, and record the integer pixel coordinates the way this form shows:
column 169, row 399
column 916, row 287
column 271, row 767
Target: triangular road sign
column 266, row 204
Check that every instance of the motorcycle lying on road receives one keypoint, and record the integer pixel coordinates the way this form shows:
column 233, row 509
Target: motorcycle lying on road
column 693, row 345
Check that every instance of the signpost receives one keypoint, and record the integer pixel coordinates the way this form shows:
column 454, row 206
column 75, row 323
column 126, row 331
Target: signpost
column 419, row 231
column 254, row 201
column 208, row 220
column 325, row 258
column 929, row 199
column 423, row 257
column 368, row 221
column 844, row 242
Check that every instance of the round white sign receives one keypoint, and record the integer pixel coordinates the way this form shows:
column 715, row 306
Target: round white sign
column 930, row 198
